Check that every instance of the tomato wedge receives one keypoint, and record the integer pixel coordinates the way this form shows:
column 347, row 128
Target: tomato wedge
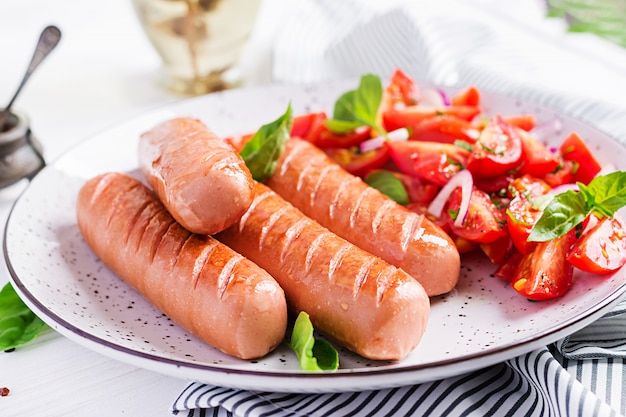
column 432, row 161
column 529, row 185
column 307, row 125
column 469, row 96
column 538, row 160
column 526, row 122
column 545, row 273
column 311, row 128
column 359, row 163
column 445, row 129
column 522, row 217
column 573, row 148
column 497, row 150
column 396, row 118
column 564, row 174
column 484, row 222
column 602, row 249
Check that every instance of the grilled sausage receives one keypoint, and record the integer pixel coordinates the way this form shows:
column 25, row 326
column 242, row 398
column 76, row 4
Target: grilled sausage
column 202, row 181
column 207, row 288
column 343, row 203
column 368, row 305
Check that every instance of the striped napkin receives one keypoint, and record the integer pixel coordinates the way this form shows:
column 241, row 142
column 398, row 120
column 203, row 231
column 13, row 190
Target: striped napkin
column 497, row 46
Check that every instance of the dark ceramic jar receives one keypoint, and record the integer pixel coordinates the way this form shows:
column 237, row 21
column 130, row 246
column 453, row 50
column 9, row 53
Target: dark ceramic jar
column 20, row 153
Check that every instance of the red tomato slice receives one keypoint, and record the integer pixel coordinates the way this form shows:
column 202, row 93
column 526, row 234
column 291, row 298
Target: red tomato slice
column 498, row 250
column 574, row 148
column 526, row 122
column 522, row 217
column 444, row 129
column 602, row 249
column 538, row 159
column 564, row 174
column 494, row 185
column 484, row 222
column 432, row 161
column 305, row 125
column 411, row 115
column 402, row 88
column 470, row 96
column 359, row 163
column 497, row 151
column 545, row 273
column 506, row 270
column 529, row 185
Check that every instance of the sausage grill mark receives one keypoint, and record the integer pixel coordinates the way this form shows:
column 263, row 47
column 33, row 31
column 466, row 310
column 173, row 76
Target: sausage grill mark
column 270, row 223
column 292, row 234
column 315, row 247
column 257, row 199
column 322, row 177
column 382, row 211
column 336, row 260
column 202, row 259
column 227, row 274
column 354, row 214
column 364, row 272
column 383, row 283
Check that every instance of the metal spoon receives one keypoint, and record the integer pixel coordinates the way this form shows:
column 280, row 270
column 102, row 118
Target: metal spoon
column 48, row 40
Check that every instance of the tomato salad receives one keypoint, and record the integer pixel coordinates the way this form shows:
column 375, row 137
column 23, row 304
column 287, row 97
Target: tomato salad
column 537, row 213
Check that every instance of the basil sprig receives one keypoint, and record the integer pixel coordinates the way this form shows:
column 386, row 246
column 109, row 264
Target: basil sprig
column 358, row 107
column 313, row 354
column 268, row 143
column 603, row 196
column 18, row 325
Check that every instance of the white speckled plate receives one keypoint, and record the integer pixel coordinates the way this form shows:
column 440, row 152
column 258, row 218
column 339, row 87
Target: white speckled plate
column 478, row 324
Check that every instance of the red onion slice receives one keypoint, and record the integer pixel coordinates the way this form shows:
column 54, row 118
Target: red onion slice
column 462, row 179
column 401, row 134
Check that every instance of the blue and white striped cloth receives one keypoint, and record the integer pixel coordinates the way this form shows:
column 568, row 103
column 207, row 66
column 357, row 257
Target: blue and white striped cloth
column 455, row 43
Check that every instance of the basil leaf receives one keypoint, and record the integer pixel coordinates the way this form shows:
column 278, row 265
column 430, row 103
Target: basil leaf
column 563, row 213
column 313, row 355
column 18, row 325
column 389, row 185
column 267, row 145
column 608, row 191
column 358, row 107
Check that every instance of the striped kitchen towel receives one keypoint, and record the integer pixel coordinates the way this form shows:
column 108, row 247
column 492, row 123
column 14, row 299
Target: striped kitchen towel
column 504, row 46
column 581, row 375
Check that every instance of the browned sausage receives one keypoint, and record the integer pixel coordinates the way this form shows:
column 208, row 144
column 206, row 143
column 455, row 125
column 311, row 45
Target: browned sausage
column 201, row 180
column 201, row 284
column 368, row 305
column 321, row 189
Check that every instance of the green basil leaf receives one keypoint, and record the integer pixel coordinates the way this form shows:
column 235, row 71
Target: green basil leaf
column 18, row 325
column 313, row 355
column 267, row 145
column 358, row 107
column 563, row 213
column 608, row 192
column 389, row 185
column 368, row 98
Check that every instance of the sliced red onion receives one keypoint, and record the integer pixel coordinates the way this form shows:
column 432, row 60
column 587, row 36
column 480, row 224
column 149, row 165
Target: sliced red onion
column 401, row 134
column 562, row 188
column 462, row 179
column 433, row 97
column 545, row 130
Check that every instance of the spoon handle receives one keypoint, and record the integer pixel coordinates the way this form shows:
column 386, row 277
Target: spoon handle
column 48, row 40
